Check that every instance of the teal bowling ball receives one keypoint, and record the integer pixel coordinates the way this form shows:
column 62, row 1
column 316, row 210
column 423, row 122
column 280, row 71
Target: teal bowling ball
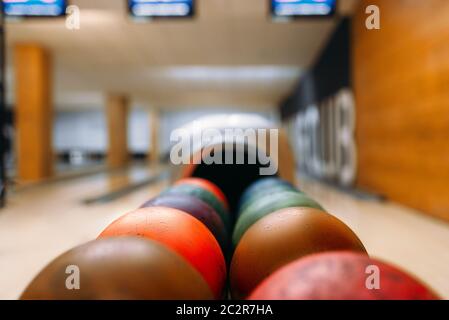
column 263, row 193
column 262, row 184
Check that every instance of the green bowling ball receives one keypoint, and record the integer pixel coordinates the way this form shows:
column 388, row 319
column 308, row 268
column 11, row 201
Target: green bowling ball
column 263, row 193
column 261, row 184
column 205, row 196
column 266, row 205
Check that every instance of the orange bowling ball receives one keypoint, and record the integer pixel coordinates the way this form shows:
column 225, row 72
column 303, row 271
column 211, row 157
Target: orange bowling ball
column 182, row 233
column 284, row 236
column 207, row 185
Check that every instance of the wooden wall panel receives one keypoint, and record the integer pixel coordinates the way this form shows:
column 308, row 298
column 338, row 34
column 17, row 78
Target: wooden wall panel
column 401, row 85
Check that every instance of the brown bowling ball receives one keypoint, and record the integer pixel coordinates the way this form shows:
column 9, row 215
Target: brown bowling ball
column 119, row 268
column 284, row 236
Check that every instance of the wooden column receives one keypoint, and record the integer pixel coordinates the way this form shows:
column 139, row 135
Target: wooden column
column 117, row 120
column 154, row 152
column 34, row 112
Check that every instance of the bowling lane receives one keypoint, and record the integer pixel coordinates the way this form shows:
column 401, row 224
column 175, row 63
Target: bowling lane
column 396, row 234
column 41, row 222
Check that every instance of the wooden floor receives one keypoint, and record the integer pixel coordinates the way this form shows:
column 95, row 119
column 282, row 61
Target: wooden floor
column 43, row 221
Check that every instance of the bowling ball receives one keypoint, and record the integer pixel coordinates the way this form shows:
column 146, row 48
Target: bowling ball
column 340, row 276
column 128, row 268
column 180, row 232
column 282, row 237
column 267, row 205
column 206, row 185
column 262, row 184
column 265, row 192
column 204, row 195
column 196, row 208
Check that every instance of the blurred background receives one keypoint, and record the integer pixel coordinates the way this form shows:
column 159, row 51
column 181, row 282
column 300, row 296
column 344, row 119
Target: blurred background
column 91, row 91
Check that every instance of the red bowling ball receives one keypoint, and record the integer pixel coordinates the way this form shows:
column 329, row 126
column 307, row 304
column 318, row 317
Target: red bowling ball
column 341, row 276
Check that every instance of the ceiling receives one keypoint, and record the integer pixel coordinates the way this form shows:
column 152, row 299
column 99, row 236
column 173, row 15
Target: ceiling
column 230, row 54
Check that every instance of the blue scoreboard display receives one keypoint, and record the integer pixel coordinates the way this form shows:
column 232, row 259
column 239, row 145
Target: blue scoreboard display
column 161, row 8
column 34, row 8
column 302, row 8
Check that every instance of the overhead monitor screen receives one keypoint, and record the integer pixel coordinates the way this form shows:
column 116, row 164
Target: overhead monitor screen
column 34, row 8
column 302, row 8
column 161, row 8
